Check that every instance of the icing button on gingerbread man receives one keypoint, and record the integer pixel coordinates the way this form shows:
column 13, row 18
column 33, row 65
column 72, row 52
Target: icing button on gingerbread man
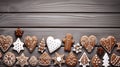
column 68, row 41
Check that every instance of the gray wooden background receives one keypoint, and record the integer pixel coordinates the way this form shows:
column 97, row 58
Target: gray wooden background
column 58, row 17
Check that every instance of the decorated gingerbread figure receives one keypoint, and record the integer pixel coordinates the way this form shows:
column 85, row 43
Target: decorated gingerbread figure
column 68, row 41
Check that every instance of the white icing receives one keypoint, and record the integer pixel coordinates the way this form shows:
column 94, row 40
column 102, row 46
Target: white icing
column 59, row 59
column 53, row 44
column 18, row 45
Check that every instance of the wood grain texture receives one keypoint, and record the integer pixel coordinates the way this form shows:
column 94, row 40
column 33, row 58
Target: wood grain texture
column 59, row 5
column 44, row 18
column 71, row 20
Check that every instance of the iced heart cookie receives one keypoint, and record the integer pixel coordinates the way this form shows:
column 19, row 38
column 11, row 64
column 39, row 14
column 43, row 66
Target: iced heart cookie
column 5, row 42
column 88, row 42
column 53, row 44
column 31, row 42
column 108, row 43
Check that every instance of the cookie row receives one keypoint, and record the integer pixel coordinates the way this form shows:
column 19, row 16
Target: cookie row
column 71, row 60
column 88, row 42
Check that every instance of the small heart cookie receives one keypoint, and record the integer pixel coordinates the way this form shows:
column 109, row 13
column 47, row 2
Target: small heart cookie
column 31, row 42
column 5, row 42
column 88, row 42
column 108, row 43
column 53, row 44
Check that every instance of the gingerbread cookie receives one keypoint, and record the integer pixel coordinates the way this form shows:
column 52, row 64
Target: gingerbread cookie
column 58, row 59
column 68, row 41
column 31, row 42
column 88, row 42
column 5, row 42
column 106, row 60
column 118, row 46
column 41, row 46
column 1, row 55
column 115, row 60
column 84, row 60
column 44, row 59
column 22, row 60
column 9, row 59
column 108, row 43
column 53, row 44
column 18, row 45
column 19, row 32
column 33, row 61
column 96, row 61
column 71, row 59
column 77, row 48
column 100, row 52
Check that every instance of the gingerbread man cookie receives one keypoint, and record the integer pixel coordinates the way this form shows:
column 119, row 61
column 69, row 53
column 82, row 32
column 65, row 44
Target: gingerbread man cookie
column 68, row 41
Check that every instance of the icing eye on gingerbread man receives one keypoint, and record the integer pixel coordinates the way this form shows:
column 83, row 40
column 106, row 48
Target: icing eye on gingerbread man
column 68, row 41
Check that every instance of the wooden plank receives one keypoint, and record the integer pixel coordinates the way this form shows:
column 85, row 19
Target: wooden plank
column 59, row 20
column 59, row 6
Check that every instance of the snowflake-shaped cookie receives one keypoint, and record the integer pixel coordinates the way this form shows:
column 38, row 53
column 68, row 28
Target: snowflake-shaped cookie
column 18, row 45
column 77, row 48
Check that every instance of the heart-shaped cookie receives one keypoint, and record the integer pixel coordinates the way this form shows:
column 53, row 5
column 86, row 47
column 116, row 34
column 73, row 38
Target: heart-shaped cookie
column 88, row 42
column 108, row 43
column 31, row 42
column 53, row 44
column 5, row 42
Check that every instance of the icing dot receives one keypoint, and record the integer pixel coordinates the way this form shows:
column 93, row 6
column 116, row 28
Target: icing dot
column 58, row 58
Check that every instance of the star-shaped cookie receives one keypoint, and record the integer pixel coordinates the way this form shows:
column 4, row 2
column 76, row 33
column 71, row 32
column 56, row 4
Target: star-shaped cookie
column 58, row 59
column 18, row 45
column 22, row 60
